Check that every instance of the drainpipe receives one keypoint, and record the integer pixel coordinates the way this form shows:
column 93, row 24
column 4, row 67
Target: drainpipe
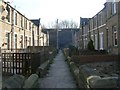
column 107, row 38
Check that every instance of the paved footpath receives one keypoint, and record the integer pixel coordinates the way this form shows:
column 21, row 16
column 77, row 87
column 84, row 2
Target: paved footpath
column 58, row 75
column 0, row 73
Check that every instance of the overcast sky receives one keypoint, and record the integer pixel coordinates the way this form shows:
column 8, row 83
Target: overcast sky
column 50, row 10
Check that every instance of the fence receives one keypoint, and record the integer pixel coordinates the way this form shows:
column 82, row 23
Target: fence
column 24, row 61
column 20, row 63
column 13, row 50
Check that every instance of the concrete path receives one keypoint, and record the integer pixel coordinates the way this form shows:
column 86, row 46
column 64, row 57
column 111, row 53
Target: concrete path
column 0, row 73
column 58, row 75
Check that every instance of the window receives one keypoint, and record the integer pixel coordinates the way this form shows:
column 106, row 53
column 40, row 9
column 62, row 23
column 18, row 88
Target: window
column 15, row 41
column 101, row 41
column 26, row 41
column 84, row 30
column 21, row 41
column 21, row 21
column 29, row 41
column 92, row 24
column 29, row 26
column 95, row 22
column 96, row 41
column 35, row 29
column 7, row 40
column 114, row 7
column 101, row 19
column 115, row 36
column 8, row 15
column 12, row 16
column 15, row 18
column 92, row 38
column 26, row 24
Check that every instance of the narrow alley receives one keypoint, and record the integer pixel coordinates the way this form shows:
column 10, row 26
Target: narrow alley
column 58, row 75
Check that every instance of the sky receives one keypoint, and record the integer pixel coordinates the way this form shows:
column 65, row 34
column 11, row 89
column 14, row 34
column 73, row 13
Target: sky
column 50, row 10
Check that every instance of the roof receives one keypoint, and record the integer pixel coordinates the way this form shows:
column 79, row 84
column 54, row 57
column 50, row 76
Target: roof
column 36, row 21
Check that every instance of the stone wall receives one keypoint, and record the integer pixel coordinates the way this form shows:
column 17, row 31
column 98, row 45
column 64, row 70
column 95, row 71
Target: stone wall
column 95, row 75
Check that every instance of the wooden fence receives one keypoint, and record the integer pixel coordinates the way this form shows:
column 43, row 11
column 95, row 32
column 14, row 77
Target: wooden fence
column 13, row 50
column 20, row 63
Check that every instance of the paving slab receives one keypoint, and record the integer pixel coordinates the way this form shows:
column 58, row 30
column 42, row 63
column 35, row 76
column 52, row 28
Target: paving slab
column 59, row 75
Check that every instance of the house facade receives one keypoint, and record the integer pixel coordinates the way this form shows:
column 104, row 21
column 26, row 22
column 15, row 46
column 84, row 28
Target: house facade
column 16, row 30
column 103, row 29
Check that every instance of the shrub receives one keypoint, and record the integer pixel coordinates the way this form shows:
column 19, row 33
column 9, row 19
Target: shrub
column 90, row 45
column 73, row 50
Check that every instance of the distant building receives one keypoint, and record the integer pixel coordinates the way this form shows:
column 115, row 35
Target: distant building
column 65, row 37
column 16, row 30
column 82, row 34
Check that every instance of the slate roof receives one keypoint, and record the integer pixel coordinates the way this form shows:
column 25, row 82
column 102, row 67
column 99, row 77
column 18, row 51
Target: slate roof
column 36, row 21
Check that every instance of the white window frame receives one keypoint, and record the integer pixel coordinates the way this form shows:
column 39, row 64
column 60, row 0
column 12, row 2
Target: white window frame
column 101, row 41
column 15, row 19
column 21, row 21
column 114, row 11
column 96, row 41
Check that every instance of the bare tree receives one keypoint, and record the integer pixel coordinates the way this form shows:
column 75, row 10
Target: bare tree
column 64, row 24
column 43, row 26
column 73, row 24
column 68, row 24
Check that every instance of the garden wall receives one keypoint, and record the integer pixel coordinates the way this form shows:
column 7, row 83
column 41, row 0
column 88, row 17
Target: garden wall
column 82, row 59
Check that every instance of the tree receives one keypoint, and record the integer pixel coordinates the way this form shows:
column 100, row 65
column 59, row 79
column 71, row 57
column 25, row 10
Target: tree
column 68, row 24
column 65, row 24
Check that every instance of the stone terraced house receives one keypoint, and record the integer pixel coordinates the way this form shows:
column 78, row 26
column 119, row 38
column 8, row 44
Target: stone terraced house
column 103, row 29
column 17, row 31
